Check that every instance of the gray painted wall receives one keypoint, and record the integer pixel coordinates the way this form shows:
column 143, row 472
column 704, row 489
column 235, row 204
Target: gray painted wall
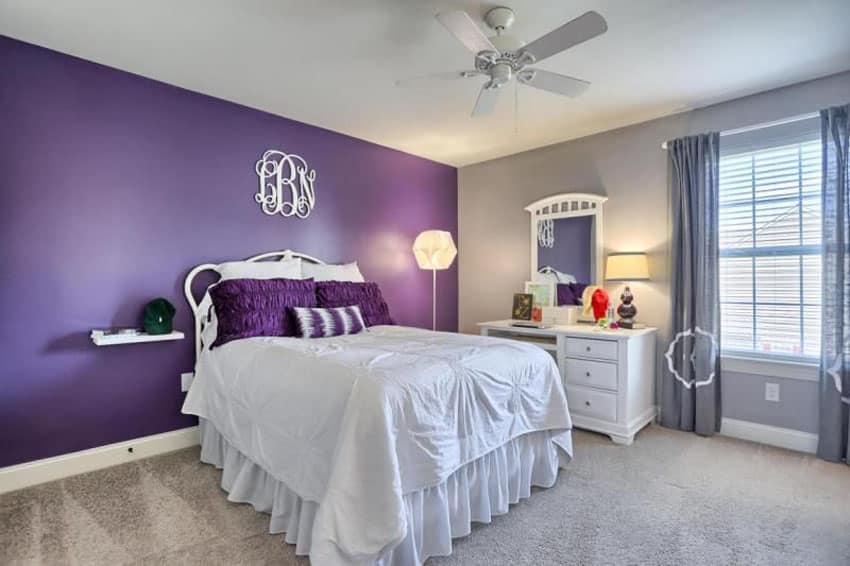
column 629, row 166
column 797, row 408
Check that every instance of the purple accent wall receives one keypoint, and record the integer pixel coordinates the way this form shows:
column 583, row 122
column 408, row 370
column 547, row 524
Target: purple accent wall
column 113, row 186
column 571, row 253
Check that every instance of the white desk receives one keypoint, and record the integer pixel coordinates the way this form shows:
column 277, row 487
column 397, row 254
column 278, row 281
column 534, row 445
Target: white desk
column 609, row 375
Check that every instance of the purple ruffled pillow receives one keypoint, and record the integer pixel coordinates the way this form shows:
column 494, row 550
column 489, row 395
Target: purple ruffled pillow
column 258, row 307
column 322, row 323
column 570, row 293
column 367, row 296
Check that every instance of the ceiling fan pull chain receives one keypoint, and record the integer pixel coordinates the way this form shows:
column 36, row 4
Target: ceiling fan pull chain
column 516, row 108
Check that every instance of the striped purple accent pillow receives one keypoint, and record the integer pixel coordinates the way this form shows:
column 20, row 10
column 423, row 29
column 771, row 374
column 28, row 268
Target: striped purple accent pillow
column 320, row 323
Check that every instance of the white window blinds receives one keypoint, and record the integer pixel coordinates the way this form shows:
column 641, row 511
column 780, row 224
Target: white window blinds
column 770, row 236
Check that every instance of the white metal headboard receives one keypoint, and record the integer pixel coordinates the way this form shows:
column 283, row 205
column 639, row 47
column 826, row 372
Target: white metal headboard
column 566, row 205
column 201, row 317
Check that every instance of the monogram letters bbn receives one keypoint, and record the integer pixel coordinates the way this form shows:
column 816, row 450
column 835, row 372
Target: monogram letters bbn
column 286, row 185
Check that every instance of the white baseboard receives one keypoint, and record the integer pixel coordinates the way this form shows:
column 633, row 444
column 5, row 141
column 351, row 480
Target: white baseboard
column 31, row 473
column 772, row 435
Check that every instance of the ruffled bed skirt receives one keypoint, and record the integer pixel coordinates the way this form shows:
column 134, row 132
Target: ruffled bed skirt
column 435, row 515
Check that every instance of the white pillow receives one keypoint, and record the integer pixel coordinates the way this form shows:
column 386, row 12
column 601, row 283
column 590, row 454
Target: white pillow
column 331, row 272
column 551, row 275
column 284, row 269
column 548, row 277
column 565, row 277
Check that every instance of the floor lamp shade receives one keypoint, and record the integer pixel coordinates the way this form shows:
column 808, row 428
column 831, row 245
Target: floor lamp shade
column 434, row 249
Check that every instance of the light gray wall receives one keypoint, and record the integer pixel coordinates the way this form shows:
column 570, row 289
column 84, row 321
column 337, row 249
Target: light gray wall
column 797, row 408
column 629, row 166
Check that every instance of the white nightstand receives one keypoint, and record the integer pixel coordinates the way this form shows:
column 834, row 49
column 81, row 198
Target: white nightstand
column 609, row 375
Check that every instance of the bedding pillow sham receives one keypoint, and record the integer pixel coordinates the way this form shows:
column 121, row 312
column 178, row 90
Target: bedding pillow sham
column 258, row 307
column 322, row 323
column 332, row 294
column 290, row 268
column 332, row 272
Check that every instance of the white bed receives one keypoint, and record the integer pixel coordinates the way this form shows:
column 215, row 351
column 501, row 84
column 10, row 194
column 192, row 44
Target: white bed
column 379, row 447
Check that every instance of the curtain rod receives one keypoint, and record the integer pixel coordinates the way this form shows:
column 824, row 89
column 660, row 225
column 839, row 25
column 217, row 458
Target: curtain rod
column 763, row 125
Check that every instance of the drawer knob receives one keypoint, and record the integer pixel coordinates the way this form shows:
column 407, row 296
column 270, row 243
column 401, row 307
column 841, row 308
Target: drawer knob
column 587, row 403
column 587, row 374
column 588, row 348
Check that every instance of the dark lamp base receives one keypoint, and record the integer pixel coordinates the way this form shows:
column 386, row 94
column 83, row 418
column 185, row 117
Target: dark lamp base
column 626, row 311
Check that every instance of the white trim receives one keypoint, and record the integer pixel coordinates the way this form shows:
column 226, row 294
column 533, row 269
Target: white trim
column 772, row 435
column 49, row 469
column 784, row 369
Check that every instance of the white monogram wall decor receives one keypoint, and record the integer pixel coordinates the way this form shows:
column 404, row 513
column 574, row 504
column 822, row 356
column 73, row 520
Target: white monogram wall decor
column 546, row 233
column 286, row 184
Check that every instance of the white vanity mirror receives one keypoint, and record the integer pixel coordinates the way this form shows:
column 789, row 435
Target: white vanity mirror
column 566, row 248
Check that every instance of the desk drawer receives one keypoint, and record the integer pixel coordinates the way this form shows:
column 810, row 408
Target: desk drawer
column 592, row 348
column 590, row 373
column 592, row 403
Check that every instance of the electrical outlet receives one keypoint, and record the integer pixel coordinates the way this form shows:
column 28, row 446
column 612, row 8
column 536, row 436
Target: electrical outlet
column 186, row 381
column 771, row 392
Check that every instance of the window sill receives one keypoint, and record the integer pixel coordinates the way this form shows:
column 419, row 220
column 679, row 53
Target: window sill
column 801, row 371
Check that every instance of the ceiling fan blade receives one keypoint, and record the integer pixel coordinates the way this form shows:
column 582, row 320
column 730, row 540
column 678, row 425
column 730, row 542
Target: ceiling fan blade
column 434, row 78
column 464, row 29
column 486, row 100
column 553, row 82
column 587, row 26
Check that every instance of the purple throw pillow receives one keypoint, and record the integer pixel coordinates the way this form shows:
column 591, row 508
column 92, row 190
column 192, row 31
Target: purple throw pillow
column 578, row 291
column 367, row 296
column 565, row 295
column 321, row 323
column 570, row 293
column 258, row 307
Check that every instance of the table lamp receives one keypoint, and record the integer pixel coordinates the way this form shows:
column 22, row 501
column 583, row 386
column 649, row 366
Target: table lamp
column 627, row 267
column 434, row 249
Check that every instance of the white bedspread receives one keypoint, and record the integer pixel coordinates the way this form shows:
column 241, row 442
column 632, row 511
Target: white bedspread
column 355, row 422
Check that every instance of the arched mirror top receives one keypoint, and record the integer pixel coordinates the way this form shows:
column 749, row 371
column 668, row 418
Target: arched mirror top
column 566, row 204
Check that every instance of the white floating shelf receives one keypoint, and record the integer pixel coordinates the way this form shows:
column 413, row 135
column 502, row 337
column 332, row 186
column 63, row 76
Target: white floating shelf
column 101, row 339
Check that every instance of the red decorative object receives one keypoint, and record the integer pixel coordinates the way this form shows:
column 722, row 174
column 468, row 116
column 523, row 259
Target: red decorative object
column 599, row 303
column 537, row 314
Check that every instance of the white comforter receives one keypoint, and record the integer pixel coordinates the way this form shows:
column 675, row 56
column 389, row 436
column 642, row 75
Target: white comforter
column 355, row 422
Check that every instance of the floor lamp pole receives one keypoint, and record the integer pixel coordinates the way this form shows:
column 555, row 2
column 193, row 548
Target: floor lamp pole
column 434, row 300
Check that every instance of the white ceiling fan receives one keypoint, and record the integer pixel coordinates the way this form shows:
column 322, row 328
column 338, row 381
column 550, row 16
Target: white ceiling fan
column 504, row 57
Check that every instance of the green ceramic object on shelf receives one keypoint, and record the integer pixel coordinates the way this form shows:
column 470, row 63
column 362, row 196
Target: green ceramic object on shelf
column 159, row 316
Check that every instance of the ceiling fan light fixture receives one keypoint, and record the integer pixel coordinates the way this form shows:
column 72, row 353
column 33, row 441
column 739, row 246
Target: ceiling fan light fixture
column 500, row 74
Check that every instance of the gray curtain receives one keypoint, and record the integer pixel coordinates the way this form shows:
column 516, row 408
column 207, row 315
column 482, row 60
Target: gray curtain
column 690, row 398
column 835, row 330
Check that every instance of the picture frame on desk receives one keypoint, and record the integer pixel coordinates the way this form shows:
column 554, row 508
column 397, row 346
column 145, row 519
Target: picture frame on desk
column 522, row 306
column 543, row 295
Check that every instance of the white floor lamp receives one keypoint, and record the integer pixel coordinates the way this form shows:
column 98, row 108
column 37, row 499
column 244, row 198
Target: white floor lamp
column 434, row 249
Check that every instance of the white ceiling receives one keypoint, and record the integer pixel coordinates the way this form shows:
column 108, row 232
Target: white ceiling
column 333, row 63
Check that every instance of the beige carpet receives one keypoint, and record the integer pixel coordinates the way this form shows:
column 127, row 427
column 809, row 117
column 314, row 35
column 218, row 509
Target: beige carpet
column 671, row 498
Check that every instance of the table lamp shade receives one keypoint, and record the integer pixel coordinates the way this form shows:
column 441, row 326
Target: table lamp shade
column 434, row 249
column 627, row 267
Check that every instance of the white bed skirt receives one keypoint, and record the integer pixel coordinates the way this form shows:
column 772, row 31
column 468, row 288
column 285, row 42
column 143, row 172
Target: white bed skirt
column 475, row 492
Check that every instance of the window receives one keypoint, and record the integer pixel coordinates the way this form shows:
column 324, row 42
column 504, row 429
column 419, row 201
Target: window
column 770, row 247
